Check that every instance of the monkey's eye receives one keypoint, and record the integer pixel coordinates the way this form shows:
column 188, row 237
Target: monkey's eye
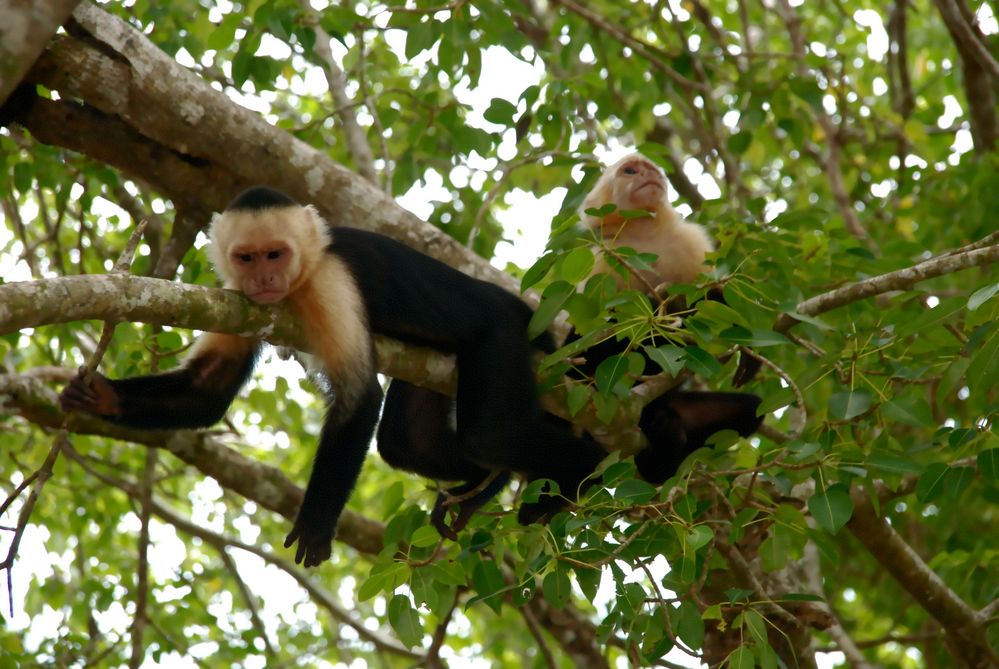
column 244, row 257
column 274, row 255
column 630, row 170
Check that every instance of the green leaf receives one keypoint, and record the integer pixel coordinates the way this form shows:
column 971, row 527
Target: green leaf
column 849, row 404
column 914, row 411
column 767, row 657
column 488, row 583
column 930, row 484
column 957, row 480
column 225, row 33
column 983, row 372
column 576, row 398
column 552, row 301
column 670, row 358
column 425, row 536
column 448, row 573
column 802, row 597
column 739, row 142
column 557, row 587
column 634, row 491
column 741, row 658
column 701, row 362
column 589, row 581
column 690, row 625
column 756, row 625
column 981, row 296
column 384, row 577
column 831, row 508
column 755, row 338
column 538, row 271
column 23, row 176
column 988, row 464
column 405, row 620
column 610, row 373
column 775, row 551
column 699, row 536
column 809, row 91
column 419, row 38
column 500, row 112
column 577, row 265
column 896, row 464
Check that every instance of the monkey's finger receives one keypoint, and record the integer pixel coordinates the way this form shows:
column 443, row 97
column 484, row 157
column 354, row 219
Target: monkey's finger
column 75, row 397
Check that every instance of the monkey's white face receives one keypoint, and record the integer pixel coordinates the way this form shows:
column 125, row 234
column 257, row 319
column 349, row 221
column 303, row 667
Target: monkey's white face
column 639, row 184
column 266, row 271
column 260, row 253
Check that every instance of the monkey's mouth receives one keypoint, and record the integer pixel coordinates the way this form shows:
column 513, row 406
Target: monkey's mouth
column 268, row 296
column 654, row 184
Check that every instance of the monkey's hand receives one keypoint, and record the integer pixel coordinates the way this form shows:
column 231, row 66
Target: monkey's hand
column 96, row 397
column 315, row 541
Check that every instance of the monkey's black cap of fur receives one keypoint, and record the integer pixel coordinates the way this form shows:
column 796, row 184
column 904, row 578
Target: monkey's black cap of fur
column 260, row 197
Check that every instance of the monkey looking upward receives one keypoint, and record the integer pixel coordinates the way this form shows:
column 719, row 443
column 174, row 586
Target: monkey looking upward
column 415, row 420
column 634, row 184
column 679, row 422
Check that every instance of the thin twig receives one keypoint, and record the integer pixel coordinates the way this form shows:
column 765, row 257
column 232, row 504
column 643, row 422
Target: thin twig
column 141, row 616
column 251, row 605
column 535, row 629
column 40, row 477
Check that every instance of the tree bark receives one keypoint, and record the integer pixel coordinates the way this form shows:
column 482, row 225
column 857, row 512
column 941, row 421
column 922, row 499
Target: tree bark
column 25, row 29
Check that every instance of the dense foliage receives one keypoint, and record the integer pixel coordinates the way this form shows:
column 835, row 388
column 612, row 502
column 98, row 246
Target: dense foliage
column 821, row 143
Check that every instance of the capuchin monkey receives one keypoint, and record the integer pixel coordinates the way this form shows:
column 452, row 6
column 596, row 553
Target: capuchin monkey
column 676, row 424
column 634, row 184
column 679, row 422
column 344, row 285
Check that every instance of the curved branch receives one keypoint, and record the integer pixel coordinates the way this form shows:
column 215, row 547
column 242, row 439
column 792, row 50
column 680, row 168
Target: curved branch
column 120, row 72
column 336, row 81
column 963, row 625
column 902, row 279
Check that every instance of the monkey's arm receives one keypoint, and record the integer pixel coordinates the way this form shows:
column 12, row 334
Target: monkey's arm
column 195, row 395
column 339, row 457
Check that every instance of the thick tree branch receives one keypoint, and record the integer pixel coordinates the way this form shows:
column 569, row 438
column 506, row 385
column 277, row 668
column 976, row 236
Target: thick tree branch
column 159, row 302
column 178, row 111
column 25, row 29
column 980, row 70
column 115, row 297
column 964, row 627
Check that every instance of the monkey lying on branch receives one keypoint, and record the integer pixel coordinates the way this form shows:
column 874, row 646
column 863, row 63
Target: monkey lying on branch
column 346, row 284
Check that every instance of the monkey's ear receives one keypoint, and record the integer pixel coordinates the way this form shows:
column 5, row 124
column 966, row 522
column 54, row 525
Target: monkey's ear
column 214, row 250
column 319, row 224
